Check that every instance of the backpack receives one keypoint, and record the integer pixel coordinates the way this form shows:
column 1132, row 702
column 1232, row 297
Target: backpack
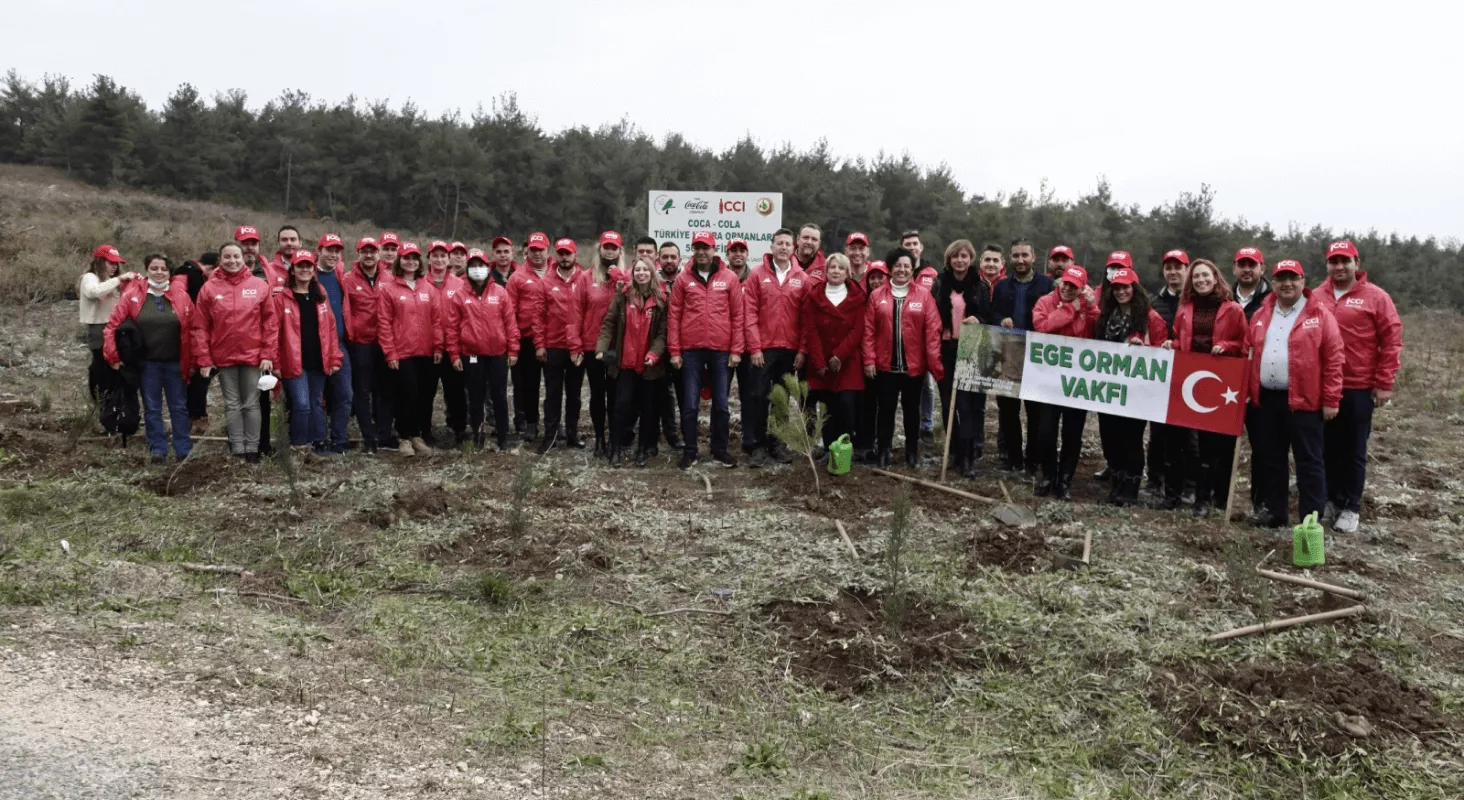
column 117, row 399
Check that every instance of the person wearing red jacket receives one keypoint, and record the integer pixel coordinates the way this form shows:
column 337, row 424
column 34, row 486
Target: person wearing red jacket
column 289, row 241
column 1372, row 333
column 705, row 329
column 163, row 314
column 371, row 387
column 926, row 275
column 1068, row 310
column 1296, row 371
column 856, row 249
column 632, row 346
column 597, row 289
column 558, row 347
column 309, row 352
column 412, row 340
column 876, row 274
column 901, row 345
column 1125, row 314
column 810, row 258
column 482, row 343
column 457, row 259
column 390, row 250
column 503, row 266
column 1207, row 321
column 737, row 262
column 831, row 337
column 526, row 292
column 454, row 391
column 772, row 295
column 236, row 332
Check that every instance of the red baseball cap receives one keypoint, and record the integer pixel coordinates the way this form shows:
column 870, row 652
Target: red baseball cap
column 1121, row 277
column 1289, row 265
column 704, row 237
column 742, row 243
column 1175, row 255
column 330, row 240
column 437, row 244
column 478, row 254
column 390, row 238
column 1252, row 253
column 611, row 237
column 1077, row 276
column 1121, row 258
column 110, row 253
column 877, row 266
column 303, row 257
column 365, row 242
column 856, row 237
column 456, row 246
column 1061, row 250
column 538, row 241
column 246, row 233
column 1342, row 247
column 408, row 249
column 566, row 244
column 497, row 240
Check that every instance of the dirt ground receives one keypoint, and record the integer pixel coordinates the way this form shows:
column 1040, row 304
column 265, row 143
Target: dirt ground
column 393, row 634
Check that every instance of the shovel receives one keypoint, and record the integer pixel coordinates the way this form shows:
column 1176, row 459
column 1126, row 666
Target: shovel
column 1060, row 561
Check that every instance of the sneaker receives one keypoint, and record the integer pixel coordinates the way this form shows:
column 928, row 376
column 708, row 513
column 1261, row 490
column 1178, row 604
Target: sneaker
column 780, row 454
column 1329, row 514
column 159, row 458
column 406, row 449
column 757, row 459
column 420, row 445
column 725, row 459
column 1346, row 522
column 640, row 458
column 688, row 460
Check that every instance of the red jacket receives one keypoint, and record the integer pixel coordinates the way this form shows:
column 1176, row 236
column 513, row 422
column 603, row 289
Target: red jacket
column 595, row 302
column 1371, row 331
column 919, row 331
column 815, row 268
column 557, row 327
column 827, row 331
column 289, row 365
column 450, row 286
column 1229, row 331
column 771, row 308
column 926, row 276
column 1315, row 354
column 1051, row 315
column 276, row 272
column 410, row 321
column 236, row 323
column 526, row 292
column 359, row 303
column 706, row 315
column 131, row 305
column 481, row 325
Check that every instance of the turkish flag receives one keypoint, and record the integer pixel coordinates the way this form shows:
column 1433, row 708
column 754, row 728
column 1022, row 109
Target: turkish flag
column 1208, row 393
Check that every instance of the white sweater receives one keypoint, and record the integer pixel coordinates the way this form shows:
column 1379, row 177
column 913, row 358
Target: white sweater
column 96, row 298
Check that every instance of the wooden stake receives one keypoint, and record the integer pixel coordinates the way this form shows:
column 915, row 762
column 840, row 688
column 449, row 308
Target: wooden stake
column 1087, row 546
column 847, row 541
column 930, row 485
column 1004, row 492
column 945, row 458
column 214, row 569
column 1286, row 622
column 1311, row 584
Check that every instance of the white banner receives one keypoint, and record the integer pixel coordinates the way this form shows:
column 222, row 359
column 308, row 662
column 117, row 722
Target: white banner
column 754, row 216
column 1112, row 377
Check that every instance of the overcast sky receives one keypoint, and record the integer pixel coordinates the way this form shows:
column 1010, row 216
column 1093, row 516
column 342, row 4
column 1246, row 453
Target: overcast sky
column 1345, row 114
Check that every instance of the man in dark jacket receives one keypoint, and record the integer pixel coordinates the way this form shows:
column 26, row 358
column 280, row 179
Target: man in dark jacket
column 1012, row 302
column 1251, row 286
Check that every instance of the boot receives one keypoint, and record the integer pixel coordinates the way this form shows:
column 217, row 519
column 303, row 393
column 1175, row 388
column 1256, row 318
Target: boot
column 573, row 440
column 1063, row 489
column 1103, row 474
column 1133, row 482
column 1043, row 487
column 550, row 434
column 968, row 470
column 882, row 458
column 614, row 456
column 912, row 456
column 642, row 457
column 1115, row 488
column 1203, row 488
column 533, row 432
column 600, row 450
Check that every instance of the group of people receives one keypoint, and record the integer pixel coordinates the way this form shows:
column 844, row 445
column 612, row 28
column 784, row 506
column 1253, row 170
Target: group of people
column 656, row 333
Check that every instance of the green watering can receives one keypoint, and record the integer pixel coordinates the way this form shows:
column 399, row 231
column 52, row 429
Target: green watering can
column 1306, row 542
column 841, row 455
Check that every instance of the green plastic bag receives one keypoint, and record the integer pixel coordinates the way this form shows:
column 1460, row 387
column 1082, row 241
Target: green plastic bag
column 1307, row 543
column 841, row 455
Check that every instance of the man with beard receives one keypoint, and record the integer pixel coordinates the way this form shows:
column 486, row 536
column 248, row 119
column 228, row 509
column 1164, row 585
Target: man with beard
column 856, row 247
column 1058, row 260
column 289, row 241
column 1251, row 286
column 330, row 274
column 705, row 330
column 925, row 275
column 670, row 266
column 371, row 385
column 772, row 296
column 248, row 238
column 503, row 263
column 645, row 248
column 810, row 258
column 526, row 292
column 1012, row 301
column 557, row 344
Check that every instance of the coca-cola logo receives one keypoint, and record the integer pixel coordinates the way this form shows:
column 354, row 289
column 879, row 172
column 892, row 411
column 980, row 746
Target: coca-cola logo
column 696, row 205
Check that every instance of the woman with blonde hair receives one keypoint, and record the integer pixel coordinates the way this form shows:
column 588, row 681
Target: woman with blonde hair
column 98, row 291
column 632, row 348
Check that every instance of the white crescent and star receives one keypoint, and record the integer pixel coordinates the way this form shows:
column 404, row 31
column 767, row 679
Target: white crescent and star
column 1188, row 391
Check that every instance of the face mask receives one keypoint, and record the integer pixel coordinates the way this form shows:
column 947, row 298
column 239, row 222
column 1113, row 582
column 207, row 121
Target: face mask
column 163, row 284
column 478, row 273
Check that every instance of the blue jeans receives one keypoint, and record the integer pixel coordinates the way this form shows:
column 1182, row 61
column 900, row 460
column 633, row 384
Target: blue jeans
column 159, row 377
column 341, row 395
column 692, row 363
column 307, row 412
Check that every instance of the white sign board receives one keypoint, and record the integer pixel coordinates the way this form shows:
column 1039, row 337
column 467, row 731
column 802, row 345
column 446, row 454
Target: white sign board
column 753, row 216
